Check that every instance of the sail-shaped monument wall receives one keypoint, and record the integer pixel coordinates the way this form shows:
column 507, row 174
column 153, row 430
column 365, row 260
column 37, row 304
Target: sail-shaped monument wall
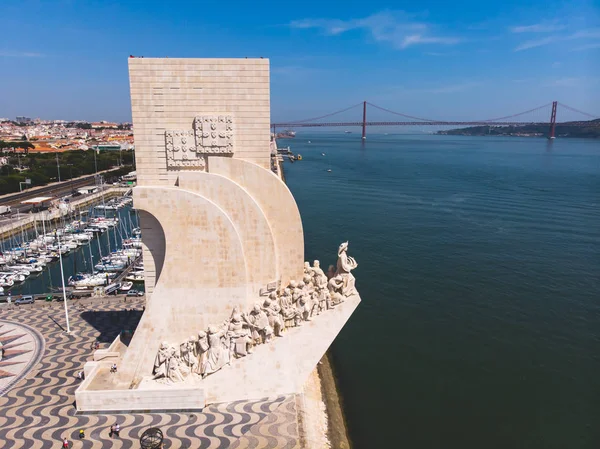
column 221, row 232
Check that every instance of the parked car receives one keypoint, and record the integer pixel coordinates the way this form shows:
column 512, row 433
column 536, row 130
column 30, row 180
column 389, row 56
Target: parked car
column 135, row 293
column 25, row 300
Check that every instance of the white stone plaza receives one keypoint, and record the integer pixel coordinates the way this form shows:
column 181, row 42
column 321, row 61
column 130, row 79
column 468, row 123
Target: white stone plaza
column 233, row 311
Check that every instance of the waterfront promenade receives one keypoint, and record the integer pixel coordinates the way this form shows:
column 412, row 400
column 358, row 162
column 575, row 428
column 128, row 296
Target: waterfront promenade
column 39, row 409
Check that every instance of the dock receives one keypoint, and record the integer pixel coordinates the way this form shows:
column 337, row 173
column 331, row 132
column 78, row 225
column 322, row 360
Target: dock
column 23, row 222
column 127, row 270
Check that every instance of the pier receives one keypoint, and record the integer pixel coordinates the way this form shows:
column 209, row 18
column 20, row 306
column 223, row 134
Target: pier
column 25, row 222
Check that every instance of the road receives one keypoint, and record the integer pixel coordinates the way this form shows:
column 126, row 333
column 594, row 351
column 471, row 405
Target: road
column 55, row 190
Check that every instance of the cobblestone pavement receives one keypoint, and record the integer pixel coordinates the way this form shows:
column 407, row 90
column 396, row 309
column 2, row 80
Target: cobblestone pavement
column 22, row 348
column 38, row 408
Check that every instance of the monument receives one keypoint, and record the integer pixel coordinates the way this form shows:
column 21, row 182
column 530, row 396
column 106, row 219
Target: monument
column 233, row 311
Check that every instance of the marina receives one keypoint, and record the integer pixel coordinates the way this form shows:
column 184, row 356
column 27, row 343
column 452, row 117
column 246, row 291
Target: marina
column 100, row 247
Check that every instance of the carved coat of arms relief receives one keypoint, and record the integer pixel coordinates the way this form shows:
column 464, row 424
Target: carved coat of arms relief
column 211, row 135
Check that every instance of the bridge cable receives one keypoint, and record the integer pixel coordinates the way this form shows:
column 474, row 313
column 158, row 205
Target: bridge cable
column 474, row 121
column 323, row 116
column 578, row 111
column 402, row 115
column 515, row 115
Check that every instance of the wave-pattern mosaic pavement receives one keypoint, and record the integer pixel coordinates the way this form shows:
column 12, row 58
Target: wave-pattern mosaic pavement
column 38, row 409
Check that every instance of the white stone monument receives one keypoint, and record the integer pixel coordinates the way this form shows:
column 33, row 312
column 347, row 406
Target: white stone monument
column 222, row 242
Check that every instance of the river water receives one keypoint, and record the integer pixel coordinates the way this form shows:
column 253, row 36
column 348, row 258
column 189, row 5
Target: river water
column 479, row 271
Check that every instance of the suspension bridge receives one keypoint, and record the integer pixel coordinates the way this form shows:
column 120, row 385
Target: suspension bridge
column 518, row 119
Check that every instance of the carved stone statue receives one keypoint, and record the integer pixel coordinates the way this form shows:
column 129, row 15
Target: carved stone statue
column 335, row 286
column 239, row 334
column 259, row 324
column 319, row 278
column 305, row 303
column 291, row 316
column 273, row 312
column 216, row 356
column 188, row 354
column 175, row 367
column 320, row 282
column 236, row 336
column 307, row 269
column 200, row 351
column 345, row 265
column 161, row 362
column 294, row 290
column 308, row 282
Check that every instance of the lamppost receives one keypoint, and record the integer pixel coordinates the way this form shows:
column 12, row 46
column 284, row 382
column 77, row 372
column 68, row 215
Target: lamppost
column 58, row 167
column 62, row 278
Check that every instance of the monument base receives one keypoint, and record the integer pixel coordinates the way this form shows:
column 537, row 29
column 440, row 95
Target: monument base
column 275, row 369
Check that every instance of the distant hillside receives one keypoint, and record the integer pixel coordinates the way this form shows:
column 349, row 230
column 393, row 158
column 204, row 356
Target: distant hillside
column 590, row 130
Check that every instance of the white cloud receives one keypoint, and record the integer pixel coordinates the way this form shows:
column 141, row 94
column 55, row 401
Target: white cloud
column 536, row 43
column 591, row 33
column 394, row 27
column 19, row 54
column 537, row 28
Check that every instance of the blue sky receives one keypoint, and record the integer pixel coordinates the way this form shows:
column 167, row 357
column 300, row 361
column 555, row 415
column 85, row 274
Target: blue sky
column 440, row 59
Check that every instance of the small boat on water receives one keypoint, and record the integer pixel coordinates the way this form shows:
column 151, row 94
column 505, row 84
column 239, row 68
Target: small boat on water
column 309, row 141
column 135, row 277
column 328, row 170
column 299, row 157
column 126, row 286
column 322, row 154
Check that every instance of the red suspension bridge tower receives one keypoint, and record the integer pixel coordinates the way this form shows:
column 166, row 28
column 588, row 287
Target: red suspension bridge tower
column 364, row 122
column 553, row 121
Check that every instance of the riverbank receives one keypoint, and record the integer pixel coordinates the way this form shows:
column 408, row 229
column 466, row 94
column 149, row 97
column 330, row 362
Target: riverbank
column 320, row 413
column 337, row 429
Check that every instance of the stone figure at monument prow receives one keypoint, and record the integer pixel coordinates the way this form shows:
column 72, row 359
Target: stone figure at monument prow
column 236, row 337
column 223, row 249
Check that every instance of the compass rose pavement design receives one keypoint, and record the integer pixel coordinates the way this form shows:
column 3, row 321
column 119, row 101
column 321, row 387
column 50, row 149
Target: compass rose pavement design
column 22, row 349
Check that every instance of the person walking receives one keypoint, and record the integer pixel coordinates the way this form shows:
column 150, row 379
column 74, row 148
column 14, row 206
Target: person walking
column 65, row 443
column 81, row 434
column 117, row 429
